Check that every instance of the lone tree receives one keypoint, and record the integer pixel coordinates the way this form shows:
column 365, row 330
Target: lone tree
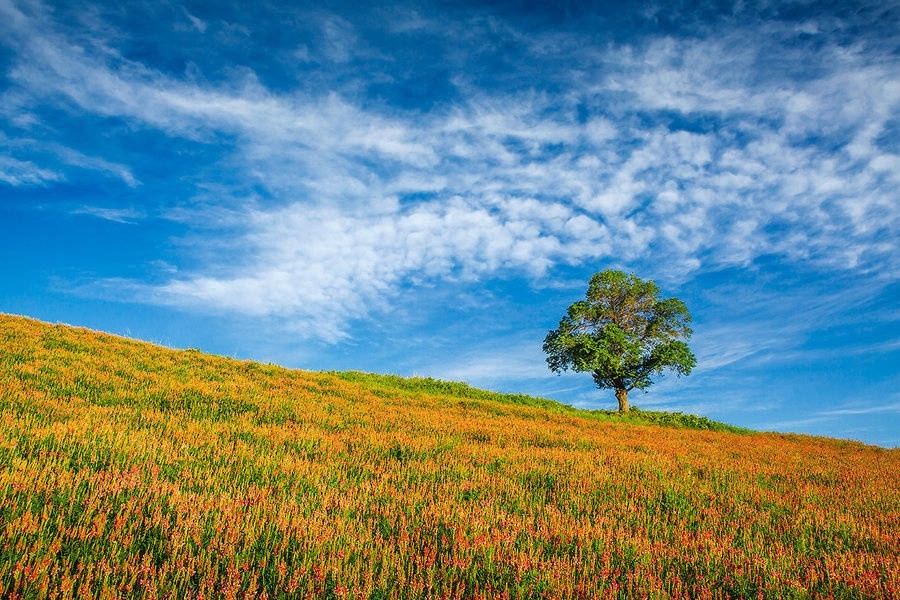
column 623, row 334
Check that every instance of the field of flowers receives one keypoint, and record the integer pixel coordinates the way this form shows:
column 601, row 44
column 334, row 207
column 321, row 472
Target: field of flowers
column 132, row 471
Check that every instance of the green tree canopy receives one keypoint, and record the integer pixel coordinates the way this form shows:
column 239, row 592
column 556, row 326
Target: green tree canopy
column 623, row 334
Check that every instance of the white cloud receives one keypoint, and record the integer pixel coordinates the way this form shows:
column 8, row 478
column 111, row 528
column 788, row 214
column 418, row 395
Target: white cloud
column 117, row 215
column 862, row 410
column 332, row 265
column 93, row 163
column 197, row 23
column 19, row 173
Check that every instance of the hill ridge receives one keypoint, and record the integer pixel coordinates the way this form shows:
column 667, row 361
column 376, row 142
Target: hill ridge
column 401, row 384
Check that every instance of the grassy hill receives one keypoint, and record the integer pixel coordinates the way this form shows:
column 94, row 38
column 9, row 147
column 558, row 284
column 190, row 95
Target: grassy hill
column 131, row 470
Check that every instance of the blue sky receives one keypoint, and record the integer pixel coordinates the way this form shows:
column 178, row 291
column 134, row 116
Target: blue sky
column 423, row 188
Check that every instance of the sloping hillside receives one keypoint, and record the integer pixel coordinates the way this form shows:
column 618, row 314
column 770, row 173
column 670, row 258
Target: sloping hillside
column 131, row 470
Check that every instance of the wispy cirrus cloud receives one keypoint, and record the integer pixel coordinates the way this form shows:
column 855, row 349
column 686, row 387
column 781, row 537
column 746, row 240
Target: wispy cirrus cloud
column 862, row 410
column 118, row 215
column 19, row 173
column 56, row 159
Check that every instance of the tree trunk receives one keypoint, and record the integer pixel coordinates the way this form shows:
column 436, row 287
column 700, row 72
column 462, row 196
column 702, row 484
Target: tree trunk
column 622, row 397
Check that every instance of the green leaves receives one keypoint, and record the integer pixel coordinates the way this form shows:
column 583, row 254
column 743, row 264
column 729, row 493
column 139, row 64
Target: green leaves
column 622, row 333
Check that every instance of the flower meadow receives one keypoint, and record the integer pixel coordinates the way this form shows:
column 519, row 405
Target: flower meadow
column 128, row 470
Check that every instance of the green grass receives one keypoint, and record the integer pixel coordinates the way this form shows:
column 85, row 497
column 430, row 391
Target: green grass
column 395, row 385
